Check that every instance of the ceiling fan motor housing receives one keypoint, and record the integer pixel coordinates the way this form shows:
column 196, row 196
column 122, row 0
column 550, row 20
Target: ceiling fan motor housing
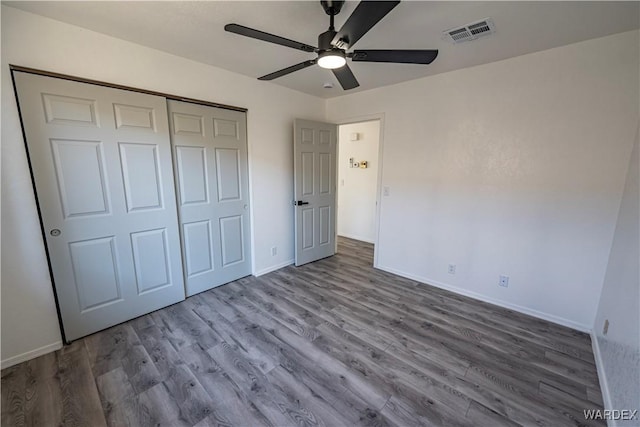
column 324, row 40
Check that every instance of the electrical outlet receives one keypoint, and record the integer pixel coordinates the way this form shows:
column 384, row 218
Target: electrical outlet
column 605, row 329
column 386, row 191
column 452, row 269
column 274, row 251
column 504, row 281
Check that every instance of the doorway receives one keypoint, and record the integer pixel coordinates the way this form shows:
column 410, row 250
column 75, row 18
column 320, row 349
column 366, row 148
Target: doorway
column 358, row 176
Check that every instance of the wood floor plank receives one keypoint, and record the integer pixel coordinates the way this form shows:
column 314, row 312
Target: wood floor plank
column 230, row 406
column 120, row 402
column 299, row 319
column 325, row 314
column 187, row 392
column 331, row 343
column 224, row 328
column 549, row 412
column 483, row 416
column 183, row 327
column 270, row 401
column 163, row 410
column 594, row 395
column 80, row 400
column 347, row 377
column 14, row 381
column 42, row 392
column 296, row 391
column 140, row 369
column 106, row 349
column 317, row 380
column 161, row 352
column 404, row 411
column 217, row 305
column 391, row 374
column 501, row 403
column 358, row 411
column 114, row 387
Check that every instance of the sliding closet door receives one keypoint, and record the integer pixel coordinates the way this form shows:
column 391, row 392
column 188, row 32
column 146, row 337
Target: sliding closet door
column 210, row 157
column 101, row 163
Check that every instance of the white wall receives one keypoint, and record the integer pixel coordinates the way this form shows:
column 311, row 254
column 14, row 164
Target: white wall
column 29, row 322
column 357, row 188
column 618, row 352
column 517, row 169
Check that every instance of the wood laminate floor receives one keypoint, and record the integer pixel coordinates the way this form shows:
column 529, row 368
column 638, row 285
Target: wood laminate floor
column 332, row 343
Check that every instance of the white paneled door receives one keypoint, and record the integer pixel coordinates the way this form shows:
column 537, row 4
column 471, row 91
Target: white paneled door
column 315, row 190
column 211, row 169
column 102, row 168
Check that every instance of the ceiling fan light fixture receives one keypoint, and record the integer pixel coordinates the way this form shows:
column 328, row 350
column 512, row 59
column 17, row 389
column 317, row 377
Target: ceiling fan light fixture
column 332, row 59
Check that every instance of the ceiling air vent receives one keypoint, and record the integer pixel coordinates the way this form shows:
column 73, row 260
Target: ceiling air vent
column 470, row 31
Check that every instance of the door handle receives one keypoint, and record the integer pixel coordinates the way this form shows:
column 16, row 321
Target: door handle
column 300, row 203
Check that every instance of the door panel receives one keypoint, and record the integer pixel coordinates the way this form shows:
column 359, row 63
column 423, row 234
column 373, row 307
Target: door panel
column 192, row 175
column 132, row 116
column 228, row 174
column 188, row 124
column 139, row 163
column 325, row 173
column 151, row 260
column 95, row 272
column 101, row 163
column 80, row 176
column 210, row 147
column 224, row 127
column 69, row 110
column 307, row 228
column 307, row 165
column 325, row 225
column 314, row 170
column 231, row 237
column 198, row 247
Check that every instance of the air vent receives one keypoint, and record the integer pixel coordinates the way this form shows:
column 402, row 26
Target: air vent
column 470, row 31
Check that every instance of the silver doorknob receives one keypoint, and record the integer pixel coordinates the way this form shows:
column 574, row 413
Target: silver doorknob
column 55, row 232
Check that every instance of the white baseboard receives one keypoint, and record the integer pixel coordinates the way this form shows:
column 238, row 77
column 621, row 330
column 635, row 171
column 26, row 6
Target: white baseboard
column 32, row 354
column 461, row 291
column 602, row 376
column 354, row 237
column 273, row 268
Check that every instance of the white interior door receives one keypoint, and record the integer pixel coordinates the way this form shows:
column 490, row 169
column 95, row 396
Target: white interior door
column 315, row 190
column 101, row 163
column 210, row 151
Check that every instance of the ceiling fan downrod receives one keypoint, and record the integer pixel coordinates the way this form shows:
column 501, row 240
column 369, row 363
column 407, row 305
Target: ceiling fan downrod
column 331, row 8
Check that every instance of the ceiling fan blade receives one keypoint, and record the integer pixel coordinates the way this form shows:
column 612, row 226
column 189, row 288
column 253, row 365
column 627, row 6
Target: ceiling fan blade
column 364, row 17
column 261, row 35
column 396, row 56
column 288, row 70
column 345, row 77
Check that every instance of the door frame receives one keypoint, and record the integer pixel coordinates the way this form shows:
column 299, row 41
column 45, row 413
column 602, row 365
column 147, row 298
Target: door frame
column 360, row 119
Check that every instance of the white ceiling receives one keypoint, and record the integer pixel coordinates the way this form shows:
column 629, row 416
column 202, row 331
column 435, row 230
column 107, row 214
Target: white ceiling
column 195, row 30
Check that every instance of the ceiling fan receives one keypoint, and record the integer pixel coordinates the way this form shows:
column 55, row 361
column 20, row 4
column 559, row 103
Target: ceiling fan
column 333, row 45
